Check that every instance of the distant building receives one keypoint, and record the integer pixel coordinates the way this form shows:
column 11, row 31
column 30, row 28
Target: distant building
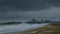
column 34, row 21
column 48, row 21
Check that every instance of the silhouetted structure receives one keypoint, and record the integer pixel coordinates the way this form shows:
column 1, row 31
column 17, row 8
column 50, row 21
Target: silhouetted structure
column 33, row 21
column 47, row 21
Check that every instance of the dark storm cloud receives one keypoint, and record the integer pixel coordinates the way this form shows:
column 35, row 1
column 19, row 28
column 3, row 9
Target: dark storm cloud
column 28, row 4
column 28, row 9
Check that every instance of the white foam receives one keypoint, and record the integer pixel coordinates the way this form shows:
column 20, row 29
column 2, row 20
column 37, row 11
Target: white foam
column 20, row 27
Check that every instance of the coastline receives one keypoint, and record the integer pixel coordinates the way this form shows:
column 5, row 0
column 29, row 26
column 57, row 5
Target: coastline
column 23, row 32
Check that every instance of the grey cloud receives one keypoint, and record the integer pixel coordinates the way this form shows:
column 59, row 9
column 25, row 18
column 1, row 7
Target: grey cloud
column 29, row 4
column 51, row 13
column 28, row 9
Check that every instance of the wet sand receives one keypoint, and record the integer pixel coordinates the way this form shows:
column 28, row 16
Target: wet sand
column 20, row 32
column 49, row 29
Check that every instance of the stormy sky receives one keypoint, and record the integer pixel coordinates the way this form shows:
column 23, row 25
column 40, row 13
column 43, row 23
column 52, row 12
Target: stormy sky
column 21, row 10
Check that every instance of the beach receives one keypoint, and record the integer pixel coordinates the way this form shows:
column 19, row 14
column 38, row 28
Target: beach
column 49, row 29
column 20, row 29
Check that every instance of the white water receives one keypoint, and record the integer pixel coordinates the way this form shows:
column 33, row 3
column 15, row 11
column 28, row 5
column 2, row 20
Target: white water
column 20, row 27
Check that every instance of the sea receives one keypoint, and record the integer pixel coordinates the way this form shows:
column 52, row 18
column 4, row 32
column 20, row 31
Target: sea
column 19, row 27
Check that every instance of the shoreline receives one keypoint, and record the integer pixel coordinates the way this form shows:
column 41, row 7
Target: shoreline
column 22, row 32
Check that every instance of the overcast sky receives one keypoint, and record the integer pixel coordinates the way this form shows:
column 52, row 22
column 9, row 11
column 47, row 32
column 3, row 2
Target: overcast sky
column 13, row 10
